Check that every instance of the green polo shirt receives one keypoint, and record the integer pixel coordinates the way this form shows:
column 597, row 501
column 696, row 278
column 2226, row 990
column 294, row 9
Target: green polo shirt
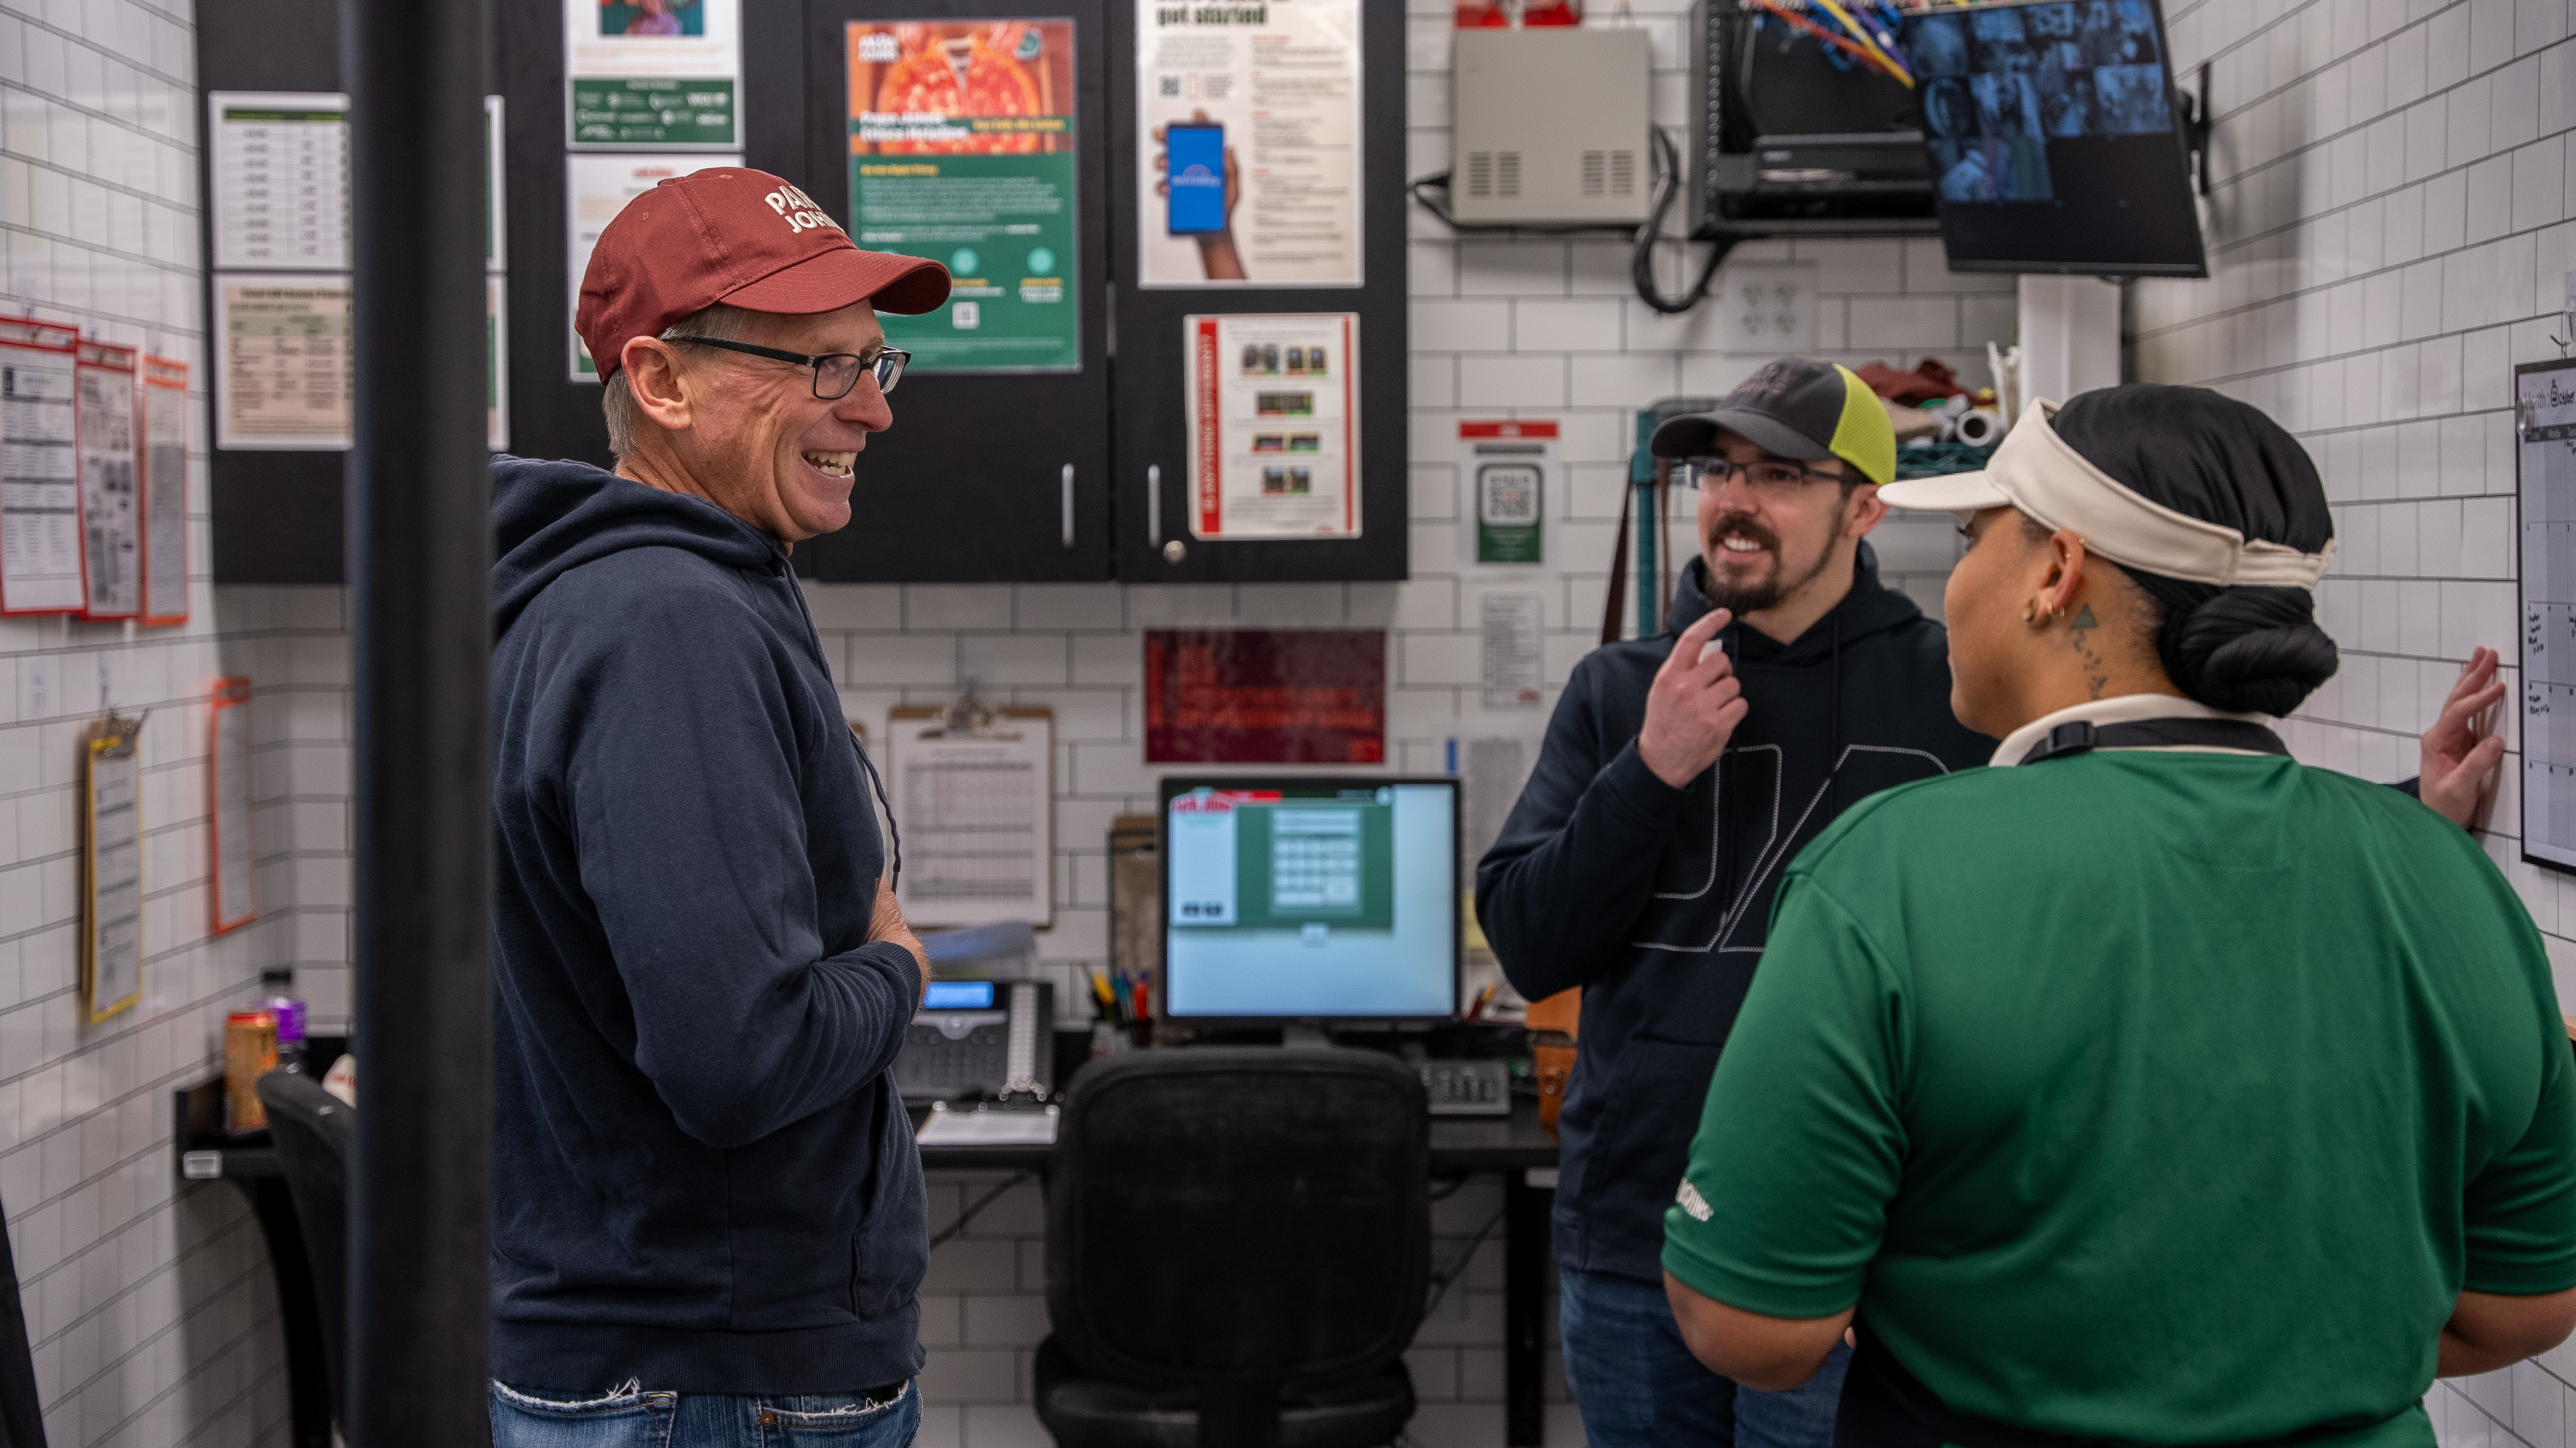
column 2159, row 1096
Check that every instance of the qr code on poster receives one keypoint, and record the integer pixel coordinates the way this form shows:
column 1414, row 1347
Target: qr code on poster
column 1171, row 85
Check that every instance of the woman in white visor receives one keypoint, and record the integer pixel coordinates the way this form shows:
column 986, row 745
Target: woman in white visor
column 2149, row 1086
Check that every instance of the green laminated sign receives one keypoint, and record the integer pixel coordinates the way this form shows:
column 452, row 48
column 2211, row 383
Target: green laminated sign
column 962, row 150
column 652, row 111
column 1507, row 471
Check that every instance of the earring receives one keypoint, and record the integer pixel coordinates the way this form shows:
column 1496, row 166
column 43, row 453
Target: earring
column 2038, row 615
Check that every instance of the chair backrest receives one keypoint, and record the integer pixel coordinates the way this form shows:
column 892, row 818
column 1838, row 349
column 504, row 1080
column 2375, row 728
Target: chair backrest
column 1239, row 1216
column 313, row 1130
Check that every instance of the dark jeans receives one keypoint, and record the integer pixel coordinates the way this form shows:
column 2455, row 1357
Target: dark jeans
column 1638, row 1386
column 633, row 1417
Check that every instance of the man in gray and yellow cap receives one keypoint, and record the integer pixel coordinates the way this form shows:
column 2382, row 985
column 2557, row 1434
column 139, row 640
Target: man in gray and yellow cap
column 1680, row 776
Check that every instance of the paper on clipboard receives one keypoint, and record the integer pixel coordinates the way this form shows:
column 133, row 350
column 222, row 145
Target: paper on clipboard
column 973, row 803
column 40, row 545
column 111, row 507
column 111, row 868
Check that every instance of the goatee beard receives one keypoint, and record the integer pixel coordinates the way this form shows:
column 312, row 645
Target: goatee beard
column 1741, row 598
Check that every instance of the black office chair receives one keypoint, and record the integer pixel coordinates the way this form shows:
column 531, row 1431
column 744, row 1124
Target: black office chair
column 313, row 1130
column 1238, row 1244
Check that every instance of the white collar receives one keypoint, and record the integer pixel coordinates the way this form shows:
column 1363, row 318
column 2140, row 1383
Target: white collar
column 2126, row 709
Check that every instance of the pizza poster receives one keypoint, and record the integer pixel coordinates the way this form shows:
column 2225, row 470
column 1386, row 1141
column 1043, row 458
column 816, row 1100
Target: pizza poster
column 1273, row 421
column 962, row 150
column 652, row 75
column 1248, row 143
column 1265, row 696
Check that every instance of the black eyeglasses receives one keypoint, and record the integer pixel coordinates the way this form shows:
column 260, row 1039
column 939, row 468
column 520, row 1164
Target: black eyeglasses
column 835, row 373
column 1762, row 477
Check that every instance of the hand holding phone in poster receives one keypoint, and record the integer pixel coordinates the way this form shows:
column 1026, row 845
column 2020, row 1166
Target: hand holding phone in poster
column 1201, row 183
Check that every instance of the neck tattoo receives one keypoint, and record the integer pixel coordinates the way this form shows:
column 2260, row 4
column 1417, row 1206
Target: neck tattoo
column 2097, row 677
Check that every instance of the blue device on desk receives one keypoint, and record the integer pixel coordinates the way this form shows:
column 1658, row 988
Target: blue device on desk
column 1309, row 899
column 1194, row 177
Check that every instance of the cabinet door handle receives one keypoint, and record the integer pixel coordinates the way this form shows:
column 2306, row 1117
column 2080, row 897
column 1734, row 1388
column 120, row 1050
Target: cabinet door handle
column 1154, row 504
column 1068, row 505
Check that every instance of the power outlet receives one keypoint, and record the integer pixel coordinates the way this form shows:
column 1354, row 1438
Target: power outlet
column 1766, row 310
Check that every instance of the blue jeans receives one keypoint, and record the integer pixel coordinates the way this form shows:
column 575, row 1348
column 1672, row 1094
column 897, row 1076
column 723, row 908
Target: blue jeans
column 1638, row 1386
column 631, row 1417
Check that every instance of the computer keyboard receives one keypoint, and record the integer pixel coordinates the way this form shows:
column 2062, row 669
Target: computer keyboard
column 1467, row 1088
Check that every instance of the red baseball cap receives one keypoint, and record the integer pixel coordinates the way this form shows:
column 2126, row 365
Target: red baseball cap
column 741, row 237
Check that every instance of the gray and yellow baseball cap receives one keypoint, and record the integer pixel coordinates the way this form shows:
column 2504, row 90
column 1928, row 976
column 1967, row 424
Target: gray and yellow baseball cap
column 1797, row 409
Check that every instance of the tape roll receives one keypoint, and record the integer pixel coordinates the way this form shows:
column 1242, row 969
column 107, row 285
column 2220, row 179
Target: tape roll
column 1980, row 426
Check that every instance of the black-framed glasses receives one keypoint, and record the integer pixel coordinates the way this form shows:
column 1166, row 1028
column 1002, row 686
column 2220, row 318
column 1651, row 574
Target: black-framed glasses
column 835, row 373
column 1763, row 477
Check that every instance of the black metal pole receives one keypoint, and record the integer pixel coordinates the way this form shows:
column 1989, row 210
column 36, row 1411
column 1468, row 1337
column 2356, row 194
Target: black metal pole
column 419, row 546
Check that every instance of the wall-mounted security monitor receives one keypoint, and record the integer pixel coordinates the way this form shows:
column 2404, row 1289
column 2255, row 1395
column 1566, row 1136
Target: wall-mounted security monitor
column 1304, row 898
column 2056, row 139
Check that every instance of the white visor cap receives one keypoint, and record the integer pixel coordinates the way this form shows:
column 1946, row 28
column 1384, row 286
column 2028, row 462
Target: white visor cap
column 2053, row 485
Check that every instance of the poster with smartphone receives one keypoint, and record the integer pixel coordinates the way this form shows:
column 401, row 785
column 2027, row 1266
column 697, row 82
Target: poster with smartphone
column 1274, row 423
column 596, row 188
column 962, row 150
column 1249, row 140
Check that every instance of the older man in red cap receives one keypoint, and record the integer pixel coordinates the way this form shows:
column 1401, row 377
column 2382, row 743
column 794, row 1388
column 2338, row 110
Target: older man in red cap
column 709, row 1222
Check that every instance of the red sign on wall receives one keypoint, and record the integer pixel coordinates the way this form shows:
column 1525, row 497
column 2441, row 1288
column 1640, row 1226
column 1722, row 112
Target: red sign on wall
column 1265, row 696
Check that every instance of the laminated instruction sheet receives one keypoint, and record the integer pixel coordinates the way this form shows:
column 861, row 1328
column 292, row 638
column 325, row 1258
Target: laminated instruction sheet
column 165, row 490
column 962, row 149
column 40, row 543
column 1273, row 420
column 280, row 176
column 111, row 508
column 1249, row 143
column 283, row 362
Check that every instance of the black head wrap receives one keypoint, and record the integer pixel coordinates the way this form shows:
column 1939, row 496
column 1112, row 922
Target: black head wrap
column 2248, row 649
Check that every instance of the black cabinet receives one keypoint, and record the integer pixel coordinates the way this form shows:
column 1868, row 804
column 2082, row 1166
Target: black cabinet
column 985, row 476
column 1153, row 396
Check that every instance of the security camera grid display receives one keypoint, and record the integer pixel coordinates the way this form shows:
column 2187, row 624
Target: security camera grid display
column 2052, row 132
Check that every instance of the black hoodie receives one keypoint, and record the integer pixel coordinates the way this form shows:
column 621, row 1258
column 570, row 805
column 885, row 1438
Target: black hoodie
column 1656, row 900
column 703, row 1176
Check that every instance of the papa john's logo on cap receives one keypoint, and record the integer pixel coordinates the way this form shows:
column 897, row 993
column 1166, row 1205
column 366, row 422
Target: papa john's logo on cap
column 798, row 209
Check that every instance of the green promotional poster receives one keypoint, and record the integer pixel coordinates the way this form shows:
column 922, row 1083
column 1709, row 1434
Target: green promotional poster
column 1507, row 465
column 962, row 150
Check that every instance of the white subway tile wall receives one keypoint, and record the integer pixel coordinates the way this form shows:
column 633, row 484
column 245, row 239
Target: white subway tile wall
column 2390, row 236
column 148, row 1299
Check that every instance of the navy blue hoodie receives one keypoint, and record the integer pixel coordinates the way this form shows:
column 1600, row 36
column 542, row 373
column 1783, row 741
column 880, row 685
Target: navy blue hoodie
column 703, row 1176
column 1656, row 900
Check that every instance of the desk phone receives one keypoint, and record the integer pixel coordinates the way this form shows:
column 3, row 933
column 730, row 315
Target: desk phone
column 978, row 1037
column 1467, row 1088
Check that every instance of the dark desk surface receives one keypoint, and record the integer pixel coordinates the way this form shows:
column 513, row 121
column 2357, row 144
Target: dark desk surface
column 1458, row 1144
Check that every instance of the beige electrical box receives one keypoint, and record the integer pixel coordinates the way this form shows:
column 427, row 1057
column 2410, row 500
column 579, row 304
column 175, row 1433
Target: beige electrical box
column 1549, row 127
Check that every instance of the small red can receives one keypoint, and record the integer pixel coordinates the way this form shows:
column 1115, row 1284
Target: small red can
column 250, row 1052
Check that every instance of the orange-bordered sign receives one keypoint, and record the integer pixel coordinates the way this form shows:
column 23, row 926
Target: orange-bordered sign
column 164, row 486
column 228, row 888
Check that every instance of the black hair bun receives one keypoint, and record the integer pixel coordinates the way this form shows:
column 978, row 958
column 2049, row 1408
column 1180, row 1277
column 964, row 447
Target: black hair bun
column 2247, row 650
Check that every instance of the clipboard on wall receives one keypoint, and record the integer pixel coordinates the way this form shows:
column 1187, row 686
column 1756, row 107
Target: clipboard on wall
column 972, row 788
column 111, row 867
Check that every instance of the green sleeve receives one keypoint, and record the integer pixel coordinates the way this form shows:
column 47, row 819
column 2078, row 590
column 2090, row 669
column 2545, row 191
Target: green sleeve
column 2520, row 1217
column 1801, row 1144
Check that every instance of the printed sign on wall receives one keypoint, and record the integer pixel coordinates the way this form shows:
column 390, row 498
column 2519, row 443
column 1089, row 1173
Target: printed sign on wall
column 1265, row 696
